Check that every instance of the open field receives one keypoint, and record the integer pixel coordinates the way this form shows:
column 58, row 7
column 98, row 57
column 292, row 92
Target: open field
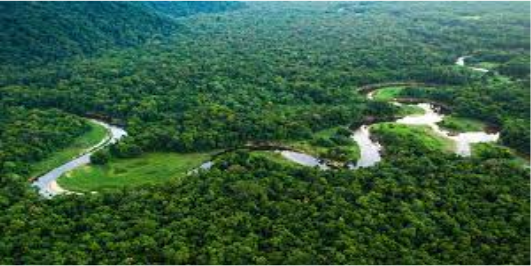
column 387, row 94
column 410, row 110
column 147, row 169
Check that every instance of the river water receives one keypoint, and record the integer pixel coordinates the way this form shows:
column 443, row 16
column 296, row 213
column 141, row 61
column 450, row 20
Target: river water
column 47, row 183
column 304, row 159
column 461, row 62
column 370, row 150
column 463, row 141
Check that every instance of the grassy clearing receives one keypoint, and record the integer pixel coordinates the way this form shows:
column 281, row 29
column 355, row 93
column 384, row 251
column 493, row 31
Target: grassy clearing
column 330, row 144
column 486, row 65
column 410, row 110
column 471, row 17
column 388, row 93
column 403, row 136
column 462, row 124
column 87, row 140
column 149, row 168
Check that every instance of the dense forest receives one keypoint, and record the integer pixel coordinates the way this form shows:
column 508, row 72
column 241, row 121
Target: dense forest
column 28, row 136
column 39, row 32
column 250, row 211
column 196, row 77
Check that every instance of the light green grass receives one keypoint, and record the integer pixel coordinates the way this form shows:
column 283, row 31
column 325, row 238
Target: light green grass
column 388, row 93
column 410, row 110
column 422, row 135
column 471, row 17
column 310, row 148
column 96, row 134
column 151, row 168
column 461, row 124
column 486, row 65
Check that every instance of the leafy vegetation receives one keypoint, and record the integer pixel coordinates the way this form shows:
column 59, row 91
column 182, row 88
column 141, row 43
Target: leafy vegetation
column 271, row 72
column 491, row 151
column 30, row 136
column 37, row 32
column 253, row 211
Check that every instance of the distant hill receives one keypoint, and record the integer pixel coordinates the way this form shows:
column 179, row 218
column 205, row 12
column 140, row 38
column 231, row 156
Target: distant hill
column 180, row 9
column 39, row 32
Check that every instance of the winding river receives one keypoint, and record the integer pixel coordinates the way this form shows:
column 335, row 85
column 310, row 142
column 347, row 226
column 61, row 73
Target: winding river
column 461, row 62
column 47, row 183
column 370, row 150
column 463, row 141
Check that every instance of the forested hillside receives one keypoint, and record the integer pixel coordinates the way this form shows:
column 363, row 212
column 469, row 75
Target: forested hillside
column 27, row 136
column 181, row 9
column 215, row 87
column 39, row 32
column 187, row 80
column 435, row 210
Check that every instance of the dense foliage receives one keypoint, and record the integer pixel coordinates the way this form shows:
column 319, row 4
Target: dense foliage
column 269, row 72
column 38, row 32
column 27, row 136
column 185, row 8
column 262, row 74
column 428, row 210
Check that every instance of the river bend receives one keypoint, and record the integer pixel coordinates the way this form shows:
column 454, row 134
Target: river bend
column 47, row 183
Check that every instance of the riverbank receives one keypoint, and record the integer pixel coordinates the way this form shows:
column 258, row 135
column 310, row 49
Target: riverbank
column 43, row 183
column 83, row 143
column 433, row 115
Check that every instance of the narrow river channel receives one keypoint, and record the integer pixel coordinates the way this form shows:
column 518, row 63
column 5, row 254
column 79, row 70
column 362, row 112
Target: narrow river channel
column 47, row 183
column 461, row 62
